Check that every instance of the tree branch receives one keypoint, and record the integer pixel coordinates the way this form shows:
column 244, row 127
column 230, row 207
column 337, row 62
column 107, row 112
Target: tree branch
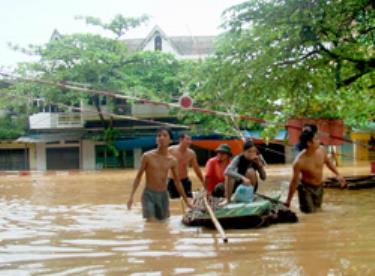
column 370, row 62
column 294, row 61
column 352, row 79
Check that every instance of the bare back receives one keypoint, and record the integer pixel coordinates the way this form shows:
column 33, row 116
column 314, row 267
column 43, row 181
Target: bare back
column 311, row 165
column 157, row 167
column 184, row 159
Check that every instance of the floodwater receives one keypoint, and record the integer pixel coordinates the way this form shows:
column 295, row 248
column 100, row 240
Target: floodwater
column 77, row 223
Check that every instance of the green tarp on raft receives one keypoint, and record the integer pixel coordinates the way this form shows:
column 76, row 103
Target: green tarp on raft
column 263, row 211
column 241, row 209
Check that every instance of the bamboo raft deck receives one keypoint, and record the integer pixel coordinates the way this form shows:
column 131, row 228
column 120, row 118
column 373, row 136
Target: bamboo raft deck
column 260, row 213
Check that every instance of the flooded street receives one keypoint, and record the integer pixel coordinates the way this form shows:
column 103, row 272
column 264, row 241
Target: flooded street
column 77, row 223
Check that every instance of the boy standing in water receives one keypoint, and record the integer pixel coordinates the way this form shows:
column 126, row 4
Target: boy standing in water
column 308, row 171
column 157, row 163
column 185, row 157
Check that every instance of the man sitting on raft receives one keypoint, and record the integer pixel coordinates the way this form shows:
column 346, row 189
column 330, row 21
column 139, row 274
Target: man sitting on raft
column 243, row 169
column 214, row 177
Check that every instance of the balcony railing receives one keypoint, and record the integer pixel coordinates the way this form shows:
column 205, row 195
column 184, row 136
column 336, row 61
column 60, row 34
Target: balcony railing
column 54, row 120
column 47, row 120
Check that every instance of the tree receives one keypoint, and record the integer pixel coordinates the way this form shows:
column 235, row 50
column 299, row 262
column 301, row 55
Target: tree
column 282, row 59
column 98, row 62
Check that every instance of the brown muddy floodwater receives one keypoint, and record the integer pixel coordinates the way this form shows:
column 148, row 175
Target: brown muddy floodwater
column 78, row 224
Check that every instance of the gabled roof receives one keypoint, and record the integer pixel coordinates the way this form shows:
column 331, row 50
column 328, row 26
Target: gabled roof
column 151, row 35
column 55, row 35
column 183, row 45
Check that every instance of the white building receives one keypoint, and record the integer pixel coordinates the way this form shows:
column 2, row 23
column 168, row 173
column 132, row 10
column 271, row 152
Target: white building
column 183, row 47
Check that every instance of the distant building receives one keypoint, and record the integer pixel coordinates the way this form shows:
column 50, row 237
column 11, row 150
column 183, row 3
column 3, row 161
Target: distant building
column 363, row 143
column 183, row 47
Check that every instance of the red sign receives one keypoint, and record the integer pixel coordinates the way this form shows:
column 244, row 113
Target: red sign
column 186, row 101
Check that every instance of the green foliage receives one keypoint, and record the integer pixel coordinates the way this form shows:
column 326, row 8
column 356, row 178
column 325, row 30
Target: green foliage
column 119, row 25
column 298, row 58
column 11, row 127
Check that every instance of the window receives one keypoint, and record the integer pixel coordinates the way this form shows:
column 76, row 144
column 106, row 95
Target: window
column 157, row 42
column 53, row 143
column 71, row 141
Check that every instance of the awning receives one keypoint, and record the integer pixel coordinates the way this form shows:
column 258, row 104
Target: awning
column 211, row 142
column 204, row 141
column 256, row 134
column 49, row 137
column 140, row 142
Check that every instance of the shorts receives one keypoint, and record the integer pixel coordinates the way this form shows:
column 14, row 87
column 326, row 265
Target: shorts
column 186, row 183
column 310, row 197
column 155, row 204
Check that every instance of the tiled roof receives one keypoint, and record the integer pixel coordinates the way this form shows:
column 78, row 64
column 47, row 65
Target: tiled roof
column 193, row 45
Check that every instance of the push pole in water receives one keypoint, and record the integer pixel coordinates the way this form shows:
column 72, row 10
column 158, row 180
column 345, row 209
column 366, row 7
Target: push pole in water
column 217, row 224
column 182, row 206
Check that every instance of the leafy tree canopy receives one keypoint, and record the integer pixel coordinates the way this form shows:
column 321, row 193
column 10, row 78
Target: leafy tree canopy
column 295, row 58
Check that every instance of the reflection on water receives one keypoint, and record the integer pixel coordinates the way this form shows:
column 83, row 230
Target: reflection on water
column 78, row 224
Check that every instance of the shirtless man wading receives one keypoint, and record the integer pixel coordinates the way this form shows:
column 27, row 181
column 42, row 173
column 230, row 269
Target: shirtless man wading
column 156, row 164
column 185, row 157
column 308, row 171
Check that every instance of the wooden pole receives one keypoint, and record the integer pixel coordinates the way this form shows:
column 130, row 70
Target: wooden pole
column 217, row 224
column 182, row 206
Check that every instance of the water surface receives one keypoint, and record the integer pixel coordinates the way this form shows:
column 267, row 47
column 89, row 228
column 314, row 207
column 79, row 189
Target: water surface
column 78, row 224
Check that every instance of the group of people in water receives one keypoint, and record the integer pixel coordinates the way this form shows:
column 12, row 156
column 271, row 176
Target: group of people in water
column 166, row 170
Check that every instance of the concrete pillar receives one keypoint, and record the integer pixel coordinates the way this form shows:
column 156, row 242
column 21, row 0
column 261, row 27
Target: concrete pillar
column 88, row 155
column 41, row 158
column 289, row 154
column 32, row 157
column 137, row 157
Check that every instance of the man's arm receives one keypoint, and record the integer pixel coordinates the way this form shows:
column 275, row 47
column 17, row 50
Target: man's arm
column 293, row 183
column 137, row 180
column 178, row 184
column 231, row 170
column 333, row 168
column 260, row 167
column 262, row 173
column 197, row 169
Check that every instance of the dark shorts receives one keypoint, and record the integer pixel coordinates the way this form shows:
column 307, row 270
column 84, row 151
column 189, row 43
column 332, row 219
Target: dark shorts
column 310, row 197
column 155, row 204
column 173, row 193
